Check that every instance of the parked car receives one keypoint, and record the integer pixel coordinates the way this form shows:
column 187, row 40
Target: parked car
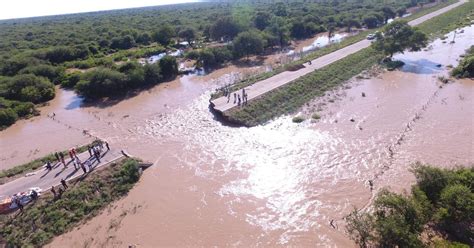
column 371, row 36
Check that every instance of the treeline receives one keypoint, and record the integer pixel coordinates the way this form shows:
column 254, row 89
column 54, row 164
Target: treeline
column 440, row 206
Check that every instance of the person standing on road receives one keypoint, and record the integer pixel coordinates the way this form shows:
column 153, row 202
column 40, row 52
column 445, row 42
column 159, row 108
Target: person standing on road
column 84, row 168
column 90, row 150
column 235, row 98
column 53, row 191
column 97, row 155
column 57, row 156
column 48, row 165
column 18, row 203
column 73, row 150
column 71, row 155
column 63, row 182
column 107, row 145
column 62, row 159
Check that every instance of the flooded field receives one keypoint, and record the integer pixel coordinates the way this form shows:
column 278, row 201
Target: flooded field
column 274, row 185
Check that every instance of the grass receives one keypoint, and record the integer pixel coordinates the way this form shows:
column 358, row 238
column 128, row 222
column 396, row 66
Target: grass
column 459, row 17
column 35, row 164
column 292, row 96
column 48, row 217
column 324, row 51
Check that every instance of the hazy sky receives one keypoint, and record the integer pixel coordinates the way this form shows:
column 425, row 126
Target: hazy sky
column 27, row 8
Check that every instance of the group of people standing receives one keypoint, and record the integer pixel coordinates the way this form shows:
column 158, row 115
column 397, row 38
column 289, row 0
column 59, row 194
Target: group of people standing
column 94, row 152
column 239, row 99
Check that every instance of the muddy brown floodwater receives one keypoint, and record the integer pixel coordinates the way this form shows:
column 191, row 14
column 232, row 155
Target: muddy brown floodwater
column 278, row 184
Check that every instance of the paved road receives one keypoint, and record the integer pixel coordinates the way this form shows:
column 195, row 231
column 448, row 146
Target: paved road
column 257, row 89
column 44, row 179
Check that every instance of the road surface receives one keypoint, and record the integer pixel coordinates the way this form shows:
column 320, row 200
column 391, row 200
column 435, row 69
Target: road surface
column 44, row 179
column 257, row 89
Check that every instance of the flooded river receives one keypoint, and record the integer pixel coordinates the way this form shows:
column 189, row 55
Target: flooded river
column 274, row 185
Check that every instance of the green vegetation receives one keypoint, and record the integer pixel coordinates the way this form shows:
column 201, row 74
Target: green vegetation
column 103, row 40
column 456, row 18
column 298, row 119
column 291, row 96
column 442, row 202
column 465, row 68
column 325, row 50
column 11, row 111
column 397, row 37
column 48, row 217
column 35, row 164
column 315, row 116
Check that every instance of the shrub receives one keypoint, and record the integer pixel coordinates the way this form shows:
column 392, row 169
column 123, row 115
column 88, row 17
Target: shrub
column 28, row 88
column 169, row 67
column 465, row 68
column 316, row 116
column 7, row 117
column 101, row 82
column 298, row 119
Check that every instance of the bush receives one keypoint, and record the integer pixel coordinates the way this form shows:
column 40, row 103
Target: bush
column 169, row 67
column 298, row 119
column 47, row 71
column 465, row 68
column 7, row 117
column 100, row 83
column 316, row 116
column 27, row 88
column 398, row 220
column 69, row 81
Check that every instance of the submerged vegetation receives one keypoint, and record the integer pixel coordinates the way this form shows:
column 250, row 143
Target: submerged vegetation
column 438, row 213
column 101, row 42
column 293, row 95
column 48, row 217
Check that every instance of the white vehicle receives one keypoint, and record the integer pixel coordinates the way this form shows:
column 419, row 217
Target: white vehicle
column 371, row 36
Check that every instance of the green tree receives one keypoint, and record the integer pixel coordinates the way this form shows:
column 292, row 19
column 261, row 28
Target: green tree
column 350, row 23
column 262, row 20
column 430, row 180
column 279, row 29
column 247, row 43
column 458, row 204
column 101, row 82
column 399, row 36
column 7, row 117
column 388, row 13
column 279, row 9
column 360, row 228
column 169, row 67
column 189, row 35
column 398, row 221
column 28, row 88
column 164, row 35
column 298, row 29
column 224, row 28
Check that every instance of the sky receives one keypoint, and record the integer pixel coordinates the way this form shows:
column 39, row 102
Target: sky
column 28, row 8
